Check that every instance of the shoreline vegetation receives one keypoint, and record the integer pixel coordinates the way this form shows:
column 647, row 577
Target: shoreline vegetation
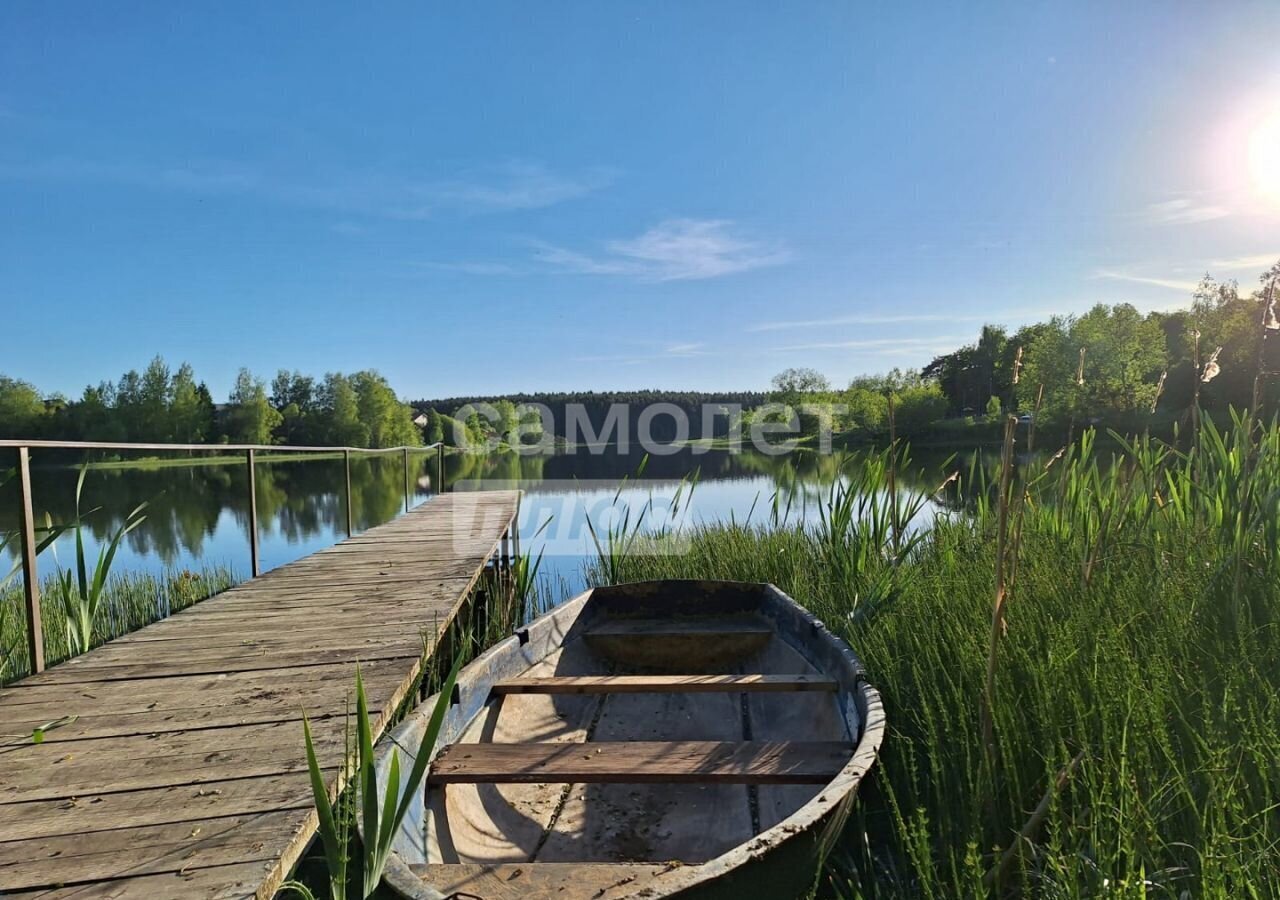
column 1078, row 663
column 216, row 458
column 129, row 601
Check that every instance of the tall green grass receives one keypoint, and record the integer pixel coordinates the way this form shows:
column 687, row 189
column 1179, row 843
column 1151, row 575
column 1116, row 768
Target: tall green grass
column 127, row 601
column 1135, row 667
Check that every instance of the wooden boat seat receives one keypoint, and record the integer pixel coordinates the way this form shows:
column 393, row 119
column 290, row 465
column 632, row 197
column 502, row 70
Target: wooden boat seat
column 534, row 881
column 664, row 684
column 642, row 762
column 715, row 641
column 703, row 629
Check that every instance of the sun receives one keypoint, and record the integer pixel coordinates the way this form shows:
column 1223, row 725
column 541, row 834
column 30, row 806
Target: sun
column 1264, row 159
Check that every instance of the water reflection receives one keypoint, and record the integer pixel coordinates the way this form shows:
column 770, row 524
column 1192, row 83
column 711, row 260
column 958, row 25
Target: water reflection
column 199, row 514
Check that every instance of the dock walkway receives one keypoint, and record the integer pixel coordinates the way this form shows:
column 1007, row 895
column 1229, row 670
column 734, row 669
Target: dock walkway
column 184, row 773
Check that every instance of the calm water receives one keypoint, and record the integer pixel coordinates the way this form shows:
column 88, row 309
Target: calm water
column 198, row 515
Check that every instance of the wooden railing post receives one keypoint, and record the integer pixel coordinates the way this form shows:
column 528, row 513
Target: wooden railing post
column 406, row 479
column 515, row 532
column 253, row 515
column 346, row 461
column 439, row 468
column 30, row 577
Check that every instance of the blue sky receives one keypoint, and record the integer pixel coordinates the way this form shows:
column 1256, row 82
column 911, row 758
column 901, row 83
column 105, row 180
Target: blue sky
column 498, row 197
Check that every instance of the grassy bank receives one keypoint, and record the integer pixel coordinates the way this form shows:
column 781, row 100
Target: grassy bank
column 226, row 458
column 1131, row 677
column 131, row 601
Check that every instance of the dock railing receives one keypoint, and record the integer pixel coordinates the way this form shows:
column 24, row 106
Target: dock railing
column 27, row 526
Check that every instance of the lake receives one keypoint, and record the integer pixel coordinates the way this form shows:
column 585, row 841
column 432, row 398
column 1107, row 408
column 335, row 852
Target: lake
column 198, row 515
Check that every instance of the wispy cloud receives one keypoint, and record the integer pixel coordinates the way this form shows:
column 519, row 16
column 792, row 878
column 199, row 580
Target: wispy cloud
column 1184, row 211
column 1182, row 286
column 670, row 351
column 519, row 186
column 690, row 349
column 375, row 193
column 674, row 250
column 860, row 319
column 1258, row 263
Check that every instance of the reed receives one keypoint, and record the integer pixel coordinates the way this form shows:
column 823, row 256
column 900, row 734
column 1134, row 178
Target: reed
column 81, row 596
column 127, row 601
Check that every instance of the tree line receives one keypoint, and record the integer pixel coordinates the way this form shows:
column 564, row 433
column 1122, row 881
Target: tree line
column 1111, row 365
column 596, row 412
column 1115, row 363
column 162, row 405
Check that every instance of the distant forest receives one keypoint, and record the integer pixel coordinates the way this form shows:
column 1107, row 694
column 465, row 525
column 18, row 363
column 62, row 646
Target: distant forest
column 595, row 408
column 1112, row 365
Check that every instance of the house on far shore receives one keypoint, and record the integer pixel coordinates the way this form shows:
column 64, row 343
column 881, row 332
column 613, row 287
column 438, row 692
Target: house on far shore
column 421, row 420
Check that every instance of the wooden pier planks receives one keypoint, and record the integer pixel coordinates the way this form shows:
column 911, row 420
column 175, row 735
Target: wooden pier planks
column 184, row 773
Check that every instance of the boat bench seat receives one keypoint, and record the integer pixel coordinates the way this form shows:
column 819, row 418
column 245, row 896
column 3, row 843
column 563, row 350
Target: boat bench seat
column 642, row 762
column 665, row 684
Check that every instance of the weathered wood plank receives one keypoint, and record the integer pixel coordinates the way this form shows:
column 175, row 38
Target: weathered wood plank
column 637, row 684
column 144, row 850
column 53, row 771
column 249, row 662
column 156, row 806
column 536, row 881
column 180, row 692
column 642, row 762
column 273, row 644
column 233, row 882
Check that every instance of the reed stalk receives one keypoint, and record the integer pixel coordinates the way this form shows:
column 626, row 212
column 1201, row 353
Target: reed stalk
column 894, row 525
column 1026, row 836
column 1001, row 590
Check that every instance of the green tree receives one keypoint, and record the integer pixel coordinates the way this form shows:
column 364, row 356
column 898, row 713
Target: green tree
column 1049, row 360
column 791, row 385
column 917, row 406
column 190, row 421
column 94, row 418
column 1227, row 320
column 508, row 421
column 1124, row 354
column 22, row 409
column 388, row 421
column 868, row 410
column 974, row 373
column 153, row 420
column 251, row 418
column 993, row 406
column 128, row 404
column 340, row 406
column 208, row 412
column 434, row 432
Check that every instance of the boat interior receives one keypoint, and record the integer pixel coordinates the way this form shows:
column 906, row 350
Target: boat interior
column 653, row 727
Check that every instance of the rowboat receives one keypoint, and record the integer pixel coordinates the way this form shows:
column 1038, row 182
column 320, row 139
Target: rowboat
column 684, row 739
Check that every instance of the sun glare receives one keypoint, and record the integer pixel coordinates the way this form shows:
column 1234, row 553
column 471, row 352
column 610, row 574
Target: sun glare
column 1264, row 159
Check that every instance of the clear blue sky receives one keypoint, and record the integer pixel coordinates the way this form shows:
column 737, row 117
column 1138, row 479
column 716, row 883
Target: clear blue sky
column 496, row 197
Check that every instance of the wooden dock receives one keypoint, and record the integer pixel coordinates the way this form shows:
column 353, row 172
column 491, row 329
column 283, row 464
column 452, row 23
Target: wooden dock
column 184, row 773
